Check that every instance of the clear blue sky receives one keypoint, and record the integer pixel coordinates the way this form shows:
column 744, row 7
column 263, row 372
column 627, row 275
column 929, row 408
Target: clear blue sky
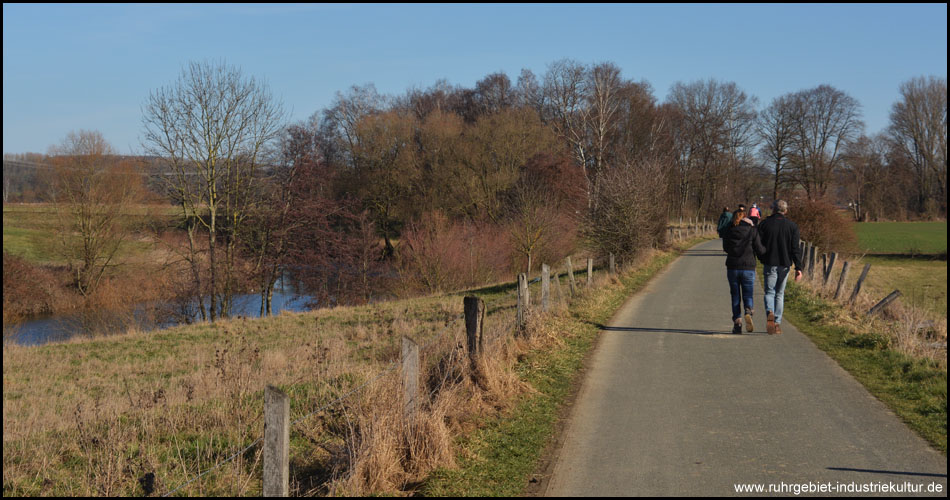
column 72, row 67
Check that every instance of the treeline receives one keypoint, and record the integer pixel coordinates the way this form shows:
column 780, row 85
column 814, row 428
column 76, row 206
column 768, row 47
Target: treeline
column 449, row 186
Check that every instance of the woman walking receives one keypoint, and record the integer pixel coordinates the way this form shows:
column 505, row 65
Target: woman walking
column 742, row 244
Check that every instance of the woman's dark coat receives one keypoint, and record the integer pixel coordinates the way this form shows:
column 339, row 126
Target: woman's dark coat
column 742, row 244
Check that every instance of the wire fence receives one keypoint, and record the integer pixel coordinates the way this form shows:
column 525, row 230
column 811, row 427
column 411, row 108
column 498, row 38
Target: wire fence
column 452, row 325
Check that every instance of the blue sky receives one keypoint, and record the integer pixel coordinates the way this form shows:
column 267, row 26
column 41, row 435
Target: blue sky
column 72, row 67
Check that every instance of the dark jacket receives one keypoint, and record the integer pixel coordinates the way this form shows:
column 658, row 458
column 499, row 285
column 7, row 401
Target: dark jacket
column 741, row 244
column 723, row 223
column 780, row 237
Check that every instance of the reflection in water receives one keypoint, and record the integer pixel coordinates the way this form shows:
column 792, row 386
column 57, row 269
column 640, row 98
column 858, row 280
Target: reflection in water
column 142, row 317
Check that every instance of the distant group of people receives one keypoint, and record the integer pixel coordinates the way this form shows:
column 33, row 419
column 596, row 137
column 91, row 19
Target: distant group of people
column 775, row 242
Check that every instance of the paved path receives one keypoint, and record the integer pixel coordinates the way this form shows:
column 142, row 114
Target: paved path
column 674, row 404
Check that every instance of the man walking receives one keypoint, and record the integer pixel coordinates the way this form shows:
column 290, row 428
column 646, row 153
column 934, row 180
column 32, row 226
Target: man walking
column 780, row 237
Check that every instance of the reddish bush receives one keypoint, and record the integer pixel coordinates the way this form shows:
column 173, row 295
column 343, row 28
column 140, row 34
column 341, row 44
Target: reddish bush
column 436, row 254
column 29, row 290
column 822, row 224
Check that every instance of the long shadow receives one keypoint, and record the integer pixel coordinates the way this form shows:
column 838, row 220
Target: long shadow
column 704, row 253
column 872, row 471
column 661, row 330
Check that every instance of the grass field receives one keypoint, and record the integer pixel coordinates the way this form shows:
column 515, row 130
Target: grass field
column 906, row 256
column 905, row 238
column 32, row 231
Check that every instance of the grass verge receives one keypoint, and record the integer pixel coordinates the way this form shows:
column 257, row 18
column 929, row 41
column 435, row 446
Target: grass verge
column 915, row 389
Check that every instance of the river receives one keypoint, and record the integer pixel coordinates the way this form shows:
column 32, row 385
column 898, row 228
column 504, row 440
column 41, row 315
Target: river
column 143, row 318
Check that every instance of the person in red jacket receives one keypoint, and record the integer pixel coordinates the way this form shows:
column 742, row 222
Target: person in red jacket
column 780, row 237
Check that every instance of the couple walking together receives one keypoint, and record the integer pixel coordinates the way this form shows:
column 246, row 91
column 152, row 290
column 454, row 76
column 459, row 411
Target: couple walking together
column 775, row 242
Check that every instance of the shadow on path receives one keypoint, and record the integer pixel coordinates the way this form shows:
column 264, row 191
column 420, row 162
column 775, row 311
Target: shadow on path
column 670, row 330
column 872, row 471
column 704, row 253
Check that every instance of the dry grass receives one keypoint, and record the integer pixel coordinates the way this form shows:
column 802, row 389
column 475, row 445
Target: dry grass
column 144, row 413
column 915, row 331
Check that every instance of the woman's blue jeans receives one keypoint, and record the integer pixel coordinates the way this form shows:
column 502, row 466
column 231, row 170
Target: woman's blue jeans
column 740, row 286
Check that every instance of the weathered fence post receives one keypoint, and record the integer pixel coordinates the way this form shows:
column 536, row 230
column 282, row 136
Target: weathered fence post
column 590, row 272
column 612, row 265
column 545, row 287
column 474, row 323
column 857, row 286
column 523, row 301
column 276, row 442
column 885, row 301
column 842, row 278
column 557, row 285
column 410, row 378
column 811, row 261
column 570, row 277
column 830, row 267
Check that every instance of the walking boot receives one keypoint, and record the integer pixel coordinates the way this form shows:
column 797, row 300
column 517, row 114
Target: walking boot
column 748, row 321
column 737, row 327
column 770, row 323
column 778, row 329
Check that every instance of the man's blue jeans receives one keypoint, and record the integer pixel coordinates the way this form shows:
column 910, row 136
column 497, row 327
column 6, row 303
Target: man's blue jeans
column 740, row 286
column 775, row 280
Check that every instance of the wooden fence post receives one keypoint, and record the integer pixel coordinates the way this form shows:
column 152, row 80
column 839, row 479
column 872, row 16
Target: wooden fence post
column 857, row 286
column 545, row 287
column 410, row 378
column 830, row 267
column 811, row 261
column 842, row 278
column 570, row 277
column 612, row 266
column 557, row 285
column 276, row 442
column 590, row 272
column 474, row 323
column 885, row 301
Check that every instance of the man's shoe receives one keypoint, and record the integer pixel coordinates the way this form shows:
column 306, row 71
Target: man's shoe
column 737, row 327
column 778, row 329
column 770, row 323
column 748, row 321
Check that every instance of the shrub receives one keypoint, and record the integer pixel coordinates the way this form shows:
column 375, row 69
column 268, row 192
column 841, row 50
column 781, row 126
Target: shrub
column 822, row 224
column 629, row 211
column 436, row 254
column 28, row 290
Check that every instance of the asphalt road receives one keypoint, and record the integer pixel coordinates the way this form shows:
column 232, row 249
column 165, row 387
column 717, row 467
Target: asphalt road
column 674, row 404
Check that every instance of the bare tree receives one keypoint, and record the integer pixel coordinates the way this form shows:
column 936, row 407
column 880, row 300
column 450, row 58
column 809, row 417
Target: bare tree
column 92, row 190
column 714, row 122
column 564, row 90
column 214, row 127
column 775, row 131
column 865, row 175
column 825, row 119
column 919, row 129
